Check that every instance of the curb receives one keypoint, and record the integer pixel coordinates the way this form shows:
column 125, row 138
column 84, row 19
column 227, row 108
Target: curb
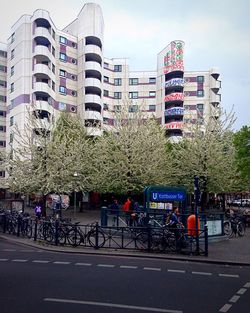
column 124, row 253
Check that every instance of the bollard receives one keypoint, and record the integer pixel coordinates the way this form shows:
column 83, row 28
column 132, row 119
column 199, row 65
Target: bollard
column 206, row 239
column 96, row 235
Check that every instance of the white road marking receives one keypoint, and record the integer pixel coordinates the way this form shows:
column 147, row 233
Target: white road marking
column 177, row 271
column 40, row 261
column 225, row 308
column 202, row 273
column 234, row 299
column 83, row 264
column 241, row 291
column 19, row 260
column 152, row 269
column 9, row 250
column 247, row 285
column 229, row 275
column 59, row 262
column 2, row 260
column 105, row 265
column 129, row 267
column 27, row 250
column 113, row 305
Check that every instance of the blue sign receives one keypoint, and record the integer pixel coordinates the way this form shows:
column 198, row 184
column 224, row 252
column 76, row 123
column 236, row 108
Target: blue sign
column 168, row 196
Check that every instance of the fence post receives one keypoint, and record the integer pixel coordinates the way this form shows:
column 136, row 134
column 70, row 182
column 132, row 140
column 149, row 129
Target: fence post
column 35, row 229
column 19, row 222
column 96, row 235
column 149, row 237
column 56, row 231
column 206, row 239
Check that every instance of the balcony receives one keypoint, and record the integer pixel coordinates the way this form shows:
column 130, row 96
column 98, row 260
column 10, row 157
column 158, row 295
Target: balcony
column 215, row 98
column 92, row 99
column 175, row 111
column 93, row 49
column 174, row 82
column 43, row 106
column 42, row 32
column 43, row 87
column 93, row 82
column 44, row 69
column 174, row 125
column 215, row 85
column 174, row 97
column 92, row 115
column 42, row 50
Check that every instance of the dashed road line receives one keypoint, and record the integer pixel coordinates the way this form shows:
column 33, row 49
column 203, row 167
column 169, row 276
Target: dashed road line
column 234, row 299
column 40, row 261
column 202, row 273
column 61, row 263
column 9, row 250
column 152, row 269
column 177, row 271
column 105, row 265
column 229, row 275
column 225, row 308
column 3, row 260
column 19, row 260
column 129, row 267
column 83, row 264
column 247, row 285
column 27, row 250
column 241, row 291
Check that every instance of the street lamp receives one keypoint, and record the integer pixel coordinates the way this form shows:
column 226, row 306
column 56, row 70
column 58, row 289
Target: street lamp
column 75, row 176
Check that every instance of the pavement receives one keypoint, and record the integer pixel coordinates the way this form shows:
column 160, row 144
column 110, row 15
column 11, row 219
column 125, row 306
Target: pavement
column 233, row 251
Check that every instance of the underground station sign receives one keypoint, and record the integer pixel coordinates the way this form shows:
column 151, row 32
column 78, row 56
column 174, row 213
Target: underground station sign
column 164, row 194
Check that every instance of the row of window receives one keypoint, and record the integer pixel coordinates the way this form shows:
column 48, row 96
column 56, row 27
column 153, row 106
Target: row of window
column 2, row 98
column 132, row 108
column 63, row 73
column 132, row 95
column 63, row 57
column 63, row 90
column 3, row 68
column 3, row 54
column 132, row 81
column 65, row 41
column 3, row 83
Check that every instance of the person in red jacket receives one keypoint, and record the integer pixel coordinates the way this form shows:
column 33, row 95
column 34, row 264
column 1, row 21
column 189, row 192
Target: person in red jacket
column 127, row 209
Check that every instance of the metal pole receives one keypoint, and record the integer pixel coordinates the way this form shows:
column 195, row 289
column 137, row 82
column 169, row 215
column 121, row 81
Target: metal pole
column 196, row 211
column 74, row 204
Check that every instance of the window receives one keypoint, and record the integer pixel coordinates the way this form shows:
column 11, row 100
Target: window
column 200, row 93
column 53, row 51
column 53, row 68
column 12, row 87
column 133, row 108
column 11, row 120
column 117, row 108
column 2, row 113
column 152, row 80
column 2, row 173
column 200, row 79
column 3, row 68
column 73, row 44
column 11, row 137
column 200, row 106
column 3, row 54
column 2, row 83
column 117, row 95
column 2, row 128
column 62, row 89
column 73, row 93
column 105, row 93
column 133, row 81
column 133, row 95
column 53, row 34
column 105, row 120
column 117, row 81
column 2, row 143
column 12, row 54
column 63, row 40
column 74, row 61
column 62, row 106
column 63, row 57
column 106, row 65
column 106, row 79
column 53, row 85
column 117, row 68
column 12, row 38
column 2, row 98
column 62, row 73
column 105, row 106
column 151, row 93
column 73, row 77
column 152, row 107
column 12, row 71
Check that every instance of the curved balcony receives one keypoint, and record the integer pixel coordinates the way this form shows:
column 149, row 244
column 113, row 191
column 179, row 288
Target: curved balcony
column 174, row 82
column 174, row 125
column 92, row 40
column 42, row 32
column 42, row 50
column 215, row 98
column 93, row 99
column 215, row 73
column 93, row 49
column 93, row 82
column 175, row 111
column 215, row 85
column 174, row 97
column 44, row 69
column 43, row 106
column 93, row 131
column 43, row 87
column 92, row 115
column 93, row 66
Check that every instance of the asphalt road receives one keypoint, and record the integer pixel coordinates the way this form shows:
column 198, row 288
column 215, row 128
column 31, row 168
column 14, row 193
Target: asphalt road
column 33, row 280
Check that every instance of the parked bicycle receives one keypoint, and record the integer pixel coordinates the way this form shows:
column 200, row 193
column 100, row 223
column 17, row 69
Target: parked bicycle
column 234, row 226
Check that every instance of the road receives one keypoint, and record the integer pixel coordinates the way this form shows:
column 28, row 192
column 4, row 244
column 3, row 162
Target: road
column 33, row 280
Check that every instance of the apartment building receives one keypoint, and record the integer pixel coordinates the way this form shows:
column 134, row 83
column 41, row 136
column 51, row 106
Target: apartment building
column 49, row 71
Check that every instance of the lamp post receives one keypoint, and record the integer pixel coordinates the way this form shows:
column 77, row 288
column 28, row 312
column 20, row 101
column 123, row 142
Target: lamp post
column 196, row 211
column 75, row 177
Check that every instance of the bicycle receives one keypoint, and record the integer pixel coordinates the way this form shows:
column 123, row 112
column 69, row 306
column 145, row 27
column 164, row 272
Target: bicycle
column 234, row 227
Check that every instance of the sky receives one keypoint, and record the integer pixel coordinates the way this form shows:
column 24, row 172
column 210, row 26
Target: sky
column 215, row 32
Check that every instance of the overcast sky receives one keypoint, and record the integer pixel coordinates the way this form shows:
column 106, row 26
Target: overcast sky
column 215, row 32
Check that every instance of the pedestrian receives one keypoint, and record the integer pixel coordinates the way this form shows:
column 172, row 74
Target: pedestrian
column 38, row 210
column 127, row 210
column 114, row 210
column 176, row 226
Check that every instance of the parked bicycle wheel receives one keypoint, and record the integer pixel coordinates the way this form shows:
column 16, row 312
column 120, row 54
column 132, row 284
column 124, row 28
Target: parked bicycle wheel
column 227, row 228
column 91, row 237
column 241, row 229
